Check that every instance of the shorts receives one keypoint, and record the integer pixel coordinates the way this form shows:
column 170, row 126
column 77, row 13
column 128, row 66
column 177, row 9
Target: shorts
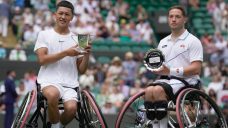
column 66, row 93
column 173, row 87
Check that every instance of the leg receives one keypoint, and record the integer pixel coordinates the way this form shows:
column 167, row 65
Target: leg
column 155, row 97
column 70, row 108
column 8, row 116
column 52, row 101
column 155, row 93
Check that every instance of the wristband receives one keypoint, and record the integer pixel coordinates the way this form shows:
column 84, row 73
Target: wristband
column 176, row 71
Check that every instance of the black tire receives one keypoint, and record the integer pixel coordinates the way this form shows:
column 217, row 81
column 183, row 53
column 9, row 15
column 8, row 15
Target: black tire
column 211, row 119
column 93, row 115
column 20, row 119
column 130, row 116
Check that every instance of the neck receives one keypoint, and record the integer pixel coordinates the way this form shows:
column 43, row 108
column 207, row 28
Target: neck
column 177, row 33
column 61, row 31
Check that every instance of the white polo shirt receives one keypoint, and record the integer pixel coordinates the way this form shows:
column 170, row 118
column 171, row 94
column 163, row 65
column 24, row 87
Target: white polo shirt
column 180, row 53
column 63, row 72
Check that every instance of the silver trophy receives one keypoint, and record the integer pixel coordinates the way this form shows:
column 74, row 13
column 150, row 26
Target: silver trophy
column 153, row 59
column 83, row 40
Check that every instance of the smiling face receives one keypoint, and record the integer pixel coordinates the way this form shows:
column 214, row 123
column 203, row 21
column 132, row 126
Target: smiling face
column 63, row 16
column 176, row 19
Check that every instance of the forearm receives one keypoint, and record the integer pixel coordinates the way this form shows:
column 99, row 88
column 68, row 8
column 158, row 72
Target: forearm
column 193, row 69
column 83, row 65
column 51, row 58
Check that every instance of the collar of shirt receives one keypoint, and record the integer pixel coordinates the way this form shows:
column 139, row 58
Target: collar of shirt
column 183, row 36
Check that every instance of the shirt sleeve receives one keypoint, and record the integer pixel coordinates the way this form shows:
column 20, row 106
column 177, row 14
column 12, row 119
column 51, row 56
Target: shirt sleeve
column 40, row 42
column 196, row 51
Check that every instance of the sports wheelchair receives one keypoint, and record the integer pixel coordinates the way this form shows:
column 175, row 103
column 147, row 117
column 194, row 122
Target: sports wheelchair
column 88, row 113
column 133, row 113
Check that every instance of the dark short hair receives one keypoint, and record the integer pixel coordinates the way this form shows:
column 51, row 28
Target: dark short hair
column 181, row 8
column 9, row 71
column 66, row 4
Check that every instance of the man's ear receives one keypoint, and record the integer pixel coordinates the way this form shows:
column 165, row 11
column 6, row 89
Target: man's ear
column 186, row 20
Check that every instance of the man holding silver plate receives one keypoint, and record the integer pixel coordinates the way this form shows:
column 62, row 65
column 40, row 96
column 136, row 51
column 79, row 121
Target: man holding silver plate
column 180, row 54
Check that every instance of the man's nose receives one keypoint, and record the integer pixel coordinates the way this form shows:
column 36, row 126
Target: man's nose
column 63, row 16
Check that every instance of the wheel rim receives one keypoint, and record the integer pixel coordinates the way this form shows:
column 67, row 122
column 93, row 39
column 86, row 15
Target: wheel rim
column 130, row 115
column 212, row 118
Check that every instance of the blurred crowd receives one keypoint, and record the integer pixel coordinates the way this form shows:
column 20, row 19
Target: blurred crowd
column 113, row 83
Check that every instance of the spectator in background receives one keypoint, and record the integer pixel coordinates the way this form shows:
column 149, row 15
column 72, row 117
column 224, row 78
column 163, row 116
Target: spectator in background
column 225, row 54
column 29, row 36
column 123, row 88
column 141, row 13
column 116, row 68
column 108, row 108
column 116, row 97
column 2, row 51
column 113, row 27
column 134, row 33
column 124, row 33
column 217, row 18
column 17, row 54
column 208, row 43
column 136, row 88
column 87, row 79
column 194, row 3
column 225, row 18
column 122, row 10
column 17, row 22
column 10, row 98
column 105, row 91
column 28, row 83
column 28, row 17
column 220, row 43
column 211, row 5
column 216, row 84
column 225, row 85
column 103, row 31
column 21, row 91
column 147, row 33
column 99, row 73
column 130, row 69
column 4, row 17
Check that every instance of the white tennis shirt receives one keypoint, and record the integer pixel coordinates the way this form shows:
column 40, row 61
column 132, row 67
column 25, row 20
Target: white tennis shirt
column 180, row 53
column 64, row 71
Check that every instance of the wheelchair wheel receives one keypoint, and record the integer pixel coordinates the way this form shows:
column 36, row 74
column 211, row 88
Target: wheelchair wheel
column 24, row 110
column 93, row 116
column 196, row 109
column 130, row 115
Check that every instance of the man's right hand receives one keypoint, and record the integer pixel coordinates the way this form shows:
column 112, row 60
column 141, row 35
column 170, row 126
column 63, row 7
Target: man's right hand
column 75, row 51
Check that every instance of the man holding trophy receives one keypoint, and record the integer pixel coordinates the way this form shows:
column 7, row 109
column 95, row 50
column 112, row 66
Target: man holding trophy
column 180, row 54
column 62, row 55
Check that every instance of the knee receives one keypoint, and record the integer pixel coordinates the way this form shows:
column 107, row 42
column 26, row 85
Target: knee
column 52, row 98
column 70, row 108
column 155, row 90
column 158, row 90
column 149, row 90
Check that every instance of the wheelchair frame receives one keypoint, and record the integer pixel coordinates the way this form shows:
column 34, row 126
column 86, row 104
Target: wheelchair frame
column 87, row 110
column 182, row 120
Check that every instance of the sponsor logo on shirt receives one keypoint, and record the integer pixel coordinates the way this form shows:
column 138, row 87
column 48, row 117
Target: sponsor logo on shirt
column 182, row 46
column 163, row 46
